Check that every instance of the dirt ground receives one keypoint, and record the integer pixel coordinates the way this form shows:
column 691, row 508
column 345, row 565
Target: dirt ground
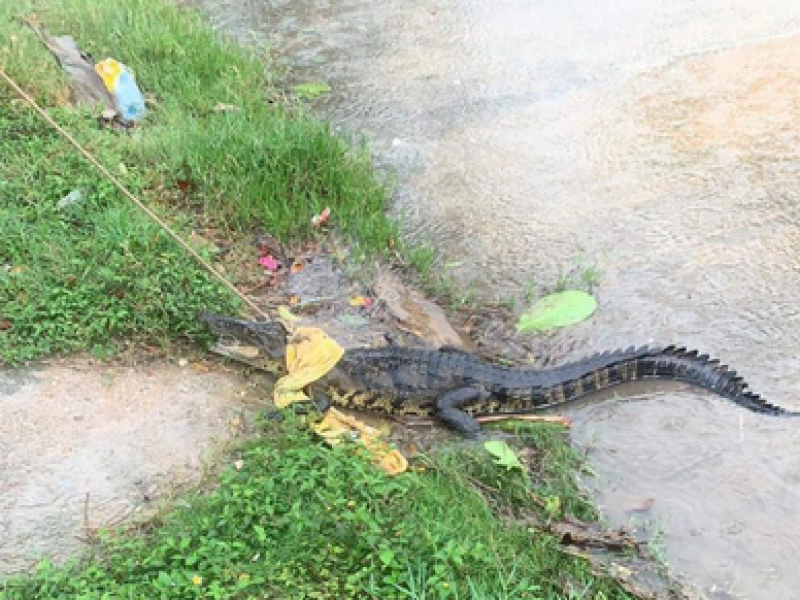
column 85, row 444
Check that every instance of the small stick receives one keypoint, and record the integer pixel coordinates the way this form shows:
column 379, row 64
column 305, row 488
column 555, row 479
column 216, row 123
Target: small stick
column 556, row 419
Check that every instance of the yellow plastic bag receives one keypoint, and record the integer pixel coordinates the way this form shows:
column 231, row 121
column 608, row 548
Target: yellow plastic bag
column 310, row 354
column 336, row 425
column 120, row 83
column 109, row 71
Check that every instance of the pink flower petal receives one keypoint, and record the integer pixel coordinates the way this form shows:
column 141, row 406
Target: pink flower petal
column 269, row 262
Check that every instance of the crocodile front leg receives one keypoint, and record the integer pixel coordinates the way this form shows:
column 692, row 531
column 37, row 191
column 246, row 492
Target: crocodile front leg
column 448, row 409
column 318, row 404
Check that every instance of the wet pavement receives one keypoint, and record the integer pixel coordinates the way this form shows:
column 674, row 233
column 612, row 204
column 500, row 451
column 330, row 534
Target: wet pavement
column 85, row 445
column 656, row 143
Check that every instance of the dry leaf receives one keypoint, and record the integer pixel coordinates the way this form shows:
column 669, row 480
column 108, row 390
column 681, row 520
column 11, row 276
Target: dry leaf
column 361, row 301
column 185, row 185
column 321, row 218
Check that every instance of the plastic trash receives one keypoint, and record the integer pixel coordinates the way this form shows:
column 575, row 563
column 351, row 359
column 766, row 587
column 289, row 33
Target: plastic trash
column 119, row 81
column 74, row 197
column 310, row 354
column 86, row 86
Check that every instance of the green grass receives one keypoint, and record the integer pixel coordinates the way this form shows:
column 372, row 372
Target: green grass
column 298, row 520
column 81, row 276
column 69, row 278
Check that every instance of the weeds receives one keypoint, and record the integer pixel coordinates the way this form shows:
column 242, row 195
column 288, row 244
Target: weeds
column 84, row 275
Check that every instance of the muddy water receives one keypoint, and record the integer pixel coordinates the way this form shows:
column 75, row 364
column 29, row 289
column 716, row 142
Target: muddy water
column 654, row 141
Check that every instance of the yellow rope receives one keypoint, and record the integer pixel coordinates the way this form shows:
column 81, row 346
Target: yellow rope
column 153, row 216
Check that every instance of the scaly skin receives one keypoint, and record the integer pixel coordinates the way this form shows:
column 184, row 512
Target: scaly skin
column 456, row 386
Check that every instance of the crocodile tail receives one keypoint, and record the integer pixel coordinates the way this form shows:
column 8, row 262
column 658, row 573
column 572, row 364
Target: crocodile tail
column 602, row 371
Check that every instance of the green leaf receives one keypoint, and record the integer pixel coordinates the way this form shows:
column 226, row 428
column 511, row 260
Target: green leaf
column 504, row 455
column 552, row 506
column 386, row 556
column 312, row 89
column 557, row 310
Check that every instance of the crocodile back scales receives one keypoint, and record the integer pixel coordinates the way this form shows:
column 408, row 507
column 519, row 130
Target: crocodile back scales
column 408, row 380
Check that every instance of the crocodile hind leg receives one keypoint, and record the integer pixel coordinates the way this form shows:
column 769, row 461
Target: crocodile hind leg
column 448, row 409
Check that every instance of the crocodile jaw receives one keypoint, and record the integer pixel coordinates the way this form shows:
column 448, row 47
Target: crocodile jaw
column 249, row 355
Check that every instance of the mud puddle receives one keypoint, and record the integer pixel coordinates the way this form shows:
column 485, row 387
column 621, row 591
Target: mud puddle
column 85, row 445
column 655, row 143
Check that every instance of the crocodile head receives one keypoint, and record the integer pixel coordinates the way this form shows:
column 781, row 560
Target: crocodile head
column 259, row 343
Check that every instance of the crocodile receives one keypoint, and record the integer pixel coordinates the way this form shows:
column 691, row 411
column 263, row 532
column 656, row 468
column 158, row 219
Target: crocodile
column 457, row 386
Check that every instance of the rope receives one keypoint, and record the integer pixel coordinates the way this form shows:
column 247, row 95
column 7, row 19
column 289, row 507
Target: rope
column 147, row 211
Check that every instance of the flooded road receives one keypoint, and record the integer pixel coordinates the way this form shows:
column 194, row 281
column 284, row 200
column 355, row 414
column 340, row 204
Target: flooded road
column 654, row 142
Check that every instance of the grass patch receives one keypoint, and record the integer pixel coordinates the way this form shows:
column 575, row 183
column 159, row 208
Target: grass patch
column 73, row 279
column 78, row 277
column 299, row 520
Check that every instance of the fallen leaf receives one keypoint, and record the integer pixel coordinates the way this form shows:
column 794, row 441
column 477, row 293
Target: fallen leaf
column 285, row 314
column 294, row 300
column 415, row 313
column 552, row 506
column 269, row 262
column 202, row 367
column 312, row 89
column 557, row 310
column 504, row 455
column 5, row 325
column 361, row 301
column 296, row 267
column 185, row 185
column 321, row 218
